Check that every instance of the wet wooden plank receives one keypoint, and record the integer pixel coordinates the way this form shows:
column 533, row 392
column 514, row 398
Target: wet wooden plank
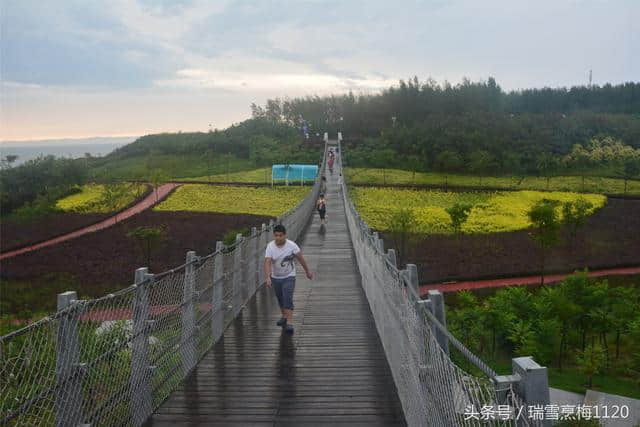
column 332, row 371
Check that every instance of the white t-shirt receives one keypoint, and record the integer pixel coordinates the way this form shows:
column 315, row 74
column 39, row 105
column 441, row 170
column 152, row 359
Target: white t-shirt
column 282, row 258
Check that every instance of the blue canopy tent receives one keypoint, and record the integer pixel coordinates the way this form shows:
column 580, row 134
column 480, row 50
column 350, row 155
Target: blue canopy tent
column 293, row 173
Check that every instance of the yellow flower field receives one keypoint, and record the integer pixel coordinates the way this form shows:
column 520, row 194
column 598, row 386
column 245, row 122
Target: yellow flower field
column 90, row 199
column 229, row 199
column 491, row 212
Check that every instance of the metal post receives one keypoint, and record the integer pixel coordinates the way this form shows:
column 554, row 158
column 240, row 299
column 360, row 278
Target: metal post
column 437, row 308
column 237, row 276
column 68, row 369
column 141, row 401
column 188, row 346
column 217, row 319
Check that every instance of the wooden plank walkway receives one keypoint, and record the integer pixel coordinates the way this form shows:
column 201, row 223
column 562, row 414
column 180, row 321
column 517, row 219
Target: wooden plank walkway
column 332, row 370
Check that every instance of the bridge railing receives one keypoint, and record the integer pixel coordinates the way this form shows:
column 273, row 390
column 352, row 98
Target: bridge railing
column 113, row 360
column 433, row 390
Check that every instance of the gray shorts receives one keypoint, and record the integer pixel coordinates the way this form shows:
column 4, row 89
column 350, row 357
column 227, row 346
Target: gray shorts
column 284, row 291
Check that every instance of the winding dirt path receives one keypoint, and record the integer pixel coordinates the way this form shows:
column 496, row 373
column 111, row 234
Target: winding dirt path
column 522, row 280
column 147, row 202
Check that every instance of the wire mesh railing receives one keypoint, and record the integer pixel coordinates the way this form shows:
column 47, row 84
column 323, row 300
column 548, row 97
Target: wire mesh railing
column 113, row 360
column 433, row 390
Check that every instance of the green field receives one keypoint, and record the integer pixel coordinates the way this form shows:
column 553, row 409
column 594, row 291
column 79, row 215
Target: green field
column 173, row 166
column 491, row 212
column 254, row 176
column 228, row 199
column 592, row 184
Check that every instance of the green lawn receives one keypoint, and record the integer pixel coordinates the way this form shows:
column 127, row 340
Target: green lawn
column 592, row 184
column 172, row 166
column 254, row 176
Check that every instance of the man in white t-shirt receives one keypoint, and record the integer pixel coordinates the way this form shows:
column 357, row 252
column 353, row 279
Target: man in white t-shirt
column 280, row 273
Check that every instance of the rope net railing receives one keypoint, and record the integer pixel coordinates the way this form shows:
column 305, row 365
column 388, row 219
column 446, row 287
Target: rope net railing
column 432, row 389
column 113, row 360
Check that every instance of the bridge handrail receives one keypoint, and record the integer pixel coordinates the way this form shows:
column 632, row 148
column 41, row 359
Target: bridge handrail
column 433, row 390
column 114, row 359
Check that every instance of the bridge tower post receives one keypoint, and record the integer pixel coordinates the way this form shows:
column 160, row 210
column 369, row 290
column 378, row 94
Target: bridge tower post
column 140, row 384
column 189, row 347
column 217, row 304
column 68, row 367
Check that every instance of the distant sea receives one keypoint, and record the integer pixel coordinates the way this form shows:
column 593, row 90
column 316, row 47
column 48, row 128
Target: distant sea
column 73, row 148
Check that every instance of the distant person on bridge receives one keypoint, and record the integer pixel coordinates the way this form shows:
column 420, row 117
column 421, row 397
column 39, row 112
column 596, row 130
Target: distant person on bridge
column 321, row 206
column 280, row 273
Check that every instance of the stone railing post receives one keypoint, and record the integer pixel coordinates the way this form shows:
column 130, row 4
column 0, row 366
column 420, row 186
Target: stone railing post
column 252, row 262
column 530, row 381
column 237, row 277
column 140, row 387
column 437, row 309
column 217, row 303
column 68, row 368
column 189, row 340
column 391, row 256
column 411, row 277
column 264, row 240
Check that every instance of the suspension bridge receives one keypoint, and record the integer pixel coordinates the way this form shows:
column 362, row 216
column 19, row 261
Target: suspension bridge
column 198, row 344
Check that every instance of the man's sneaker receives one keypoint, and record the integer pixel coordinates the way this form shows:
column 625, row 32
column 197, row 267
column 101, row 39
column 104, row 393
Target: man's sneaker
column 282, row 321
column 289, row 329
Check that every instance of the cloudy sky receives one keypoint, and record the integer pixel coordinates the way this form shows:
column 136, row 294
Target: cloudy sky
column 80, row 68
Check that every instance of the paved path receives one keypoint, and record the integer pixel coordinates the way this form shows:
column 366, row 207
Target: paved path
column 145, row 203
column 522, row 280
column 332, row 371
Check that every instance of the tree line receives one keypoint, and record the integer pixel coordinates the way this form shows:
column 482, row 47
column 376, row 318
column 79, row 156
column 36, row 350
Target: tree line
column 580, row 322
column 470, row 127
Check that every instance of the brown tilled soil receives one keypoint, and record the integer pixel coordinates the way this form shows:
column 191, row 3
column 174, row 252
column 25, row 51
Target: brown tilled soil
column 611, row 238
column 105, row 261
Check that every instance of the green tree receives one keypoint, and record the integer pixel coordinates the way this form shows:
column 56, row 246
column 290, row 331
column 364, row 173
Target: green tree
column 414, row 163
column 458, row 213
column 580, row 159
column 149, row 239
column 481, row 162
column 544, row 219
column 591, row 362
column 629, row 168
column 157, row 178
column 382, row 159
column 553, row 302
column 448, row 161
column 625, row 301
column 8, row 160
column 547, row 165
column 402, row 225
column 113, row 195
column 574, row 215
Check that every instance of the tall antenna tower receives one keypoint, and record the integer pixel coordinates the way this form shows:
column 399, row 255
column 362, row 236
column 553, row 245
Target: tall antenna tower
column 590, row 77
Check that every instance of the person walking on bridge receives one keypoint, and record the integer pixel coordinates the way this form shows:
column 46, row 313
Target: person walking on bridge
column 321, row 206
column 280, row 273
